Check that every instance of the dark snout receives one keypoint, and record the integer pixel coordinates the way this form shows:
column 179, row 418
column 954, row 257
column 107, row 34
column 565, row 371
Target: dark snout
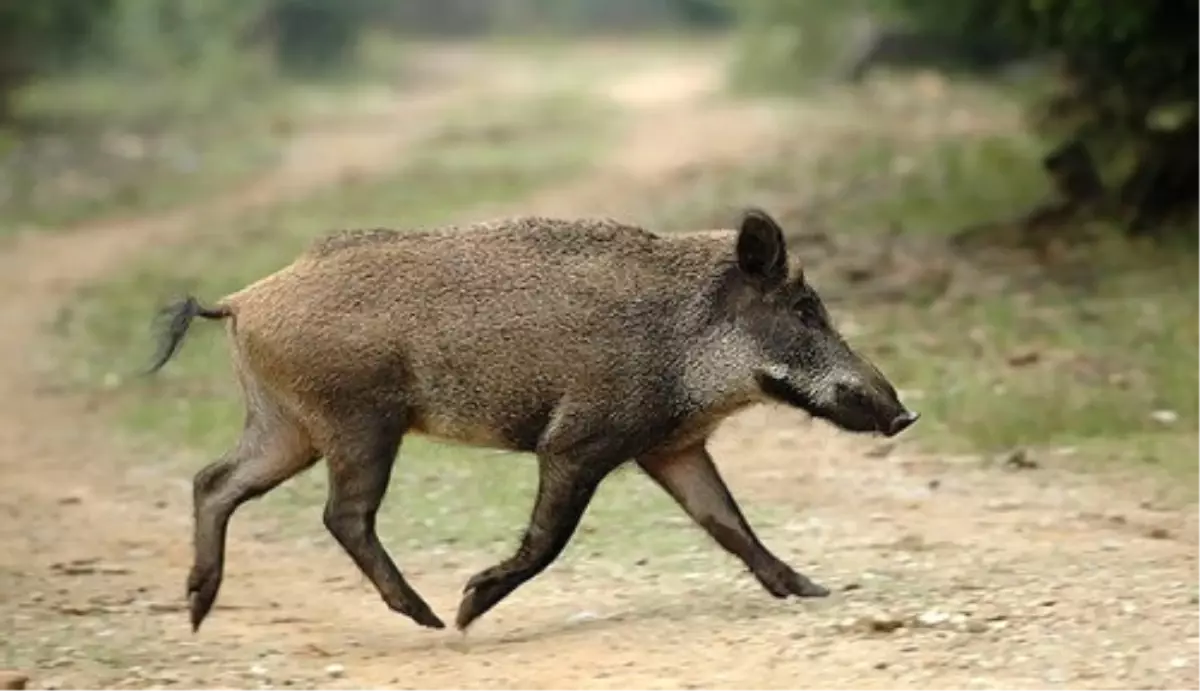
column 865, row 401
column 869, row 405
column 901, row 422
column 858, row 399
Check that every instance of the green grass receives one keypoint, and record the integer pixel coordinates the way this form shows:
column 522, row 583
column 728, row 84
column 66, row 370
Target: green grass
column 1113, row 339
column 101, row 143
column 445, row 495
column 70, row 172
column 790, row 47
column 1105, row 362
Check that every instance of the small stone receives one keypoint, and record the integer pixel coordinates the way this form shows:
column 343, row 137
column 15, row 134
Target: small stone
column 886, row 625
column 1158, row 533
column 1165, row 417
column 882, row 664
column 1002, row 505
column 932, row 618
column 1018, row 459
column 1179, row 662
column 883, row 623
column 258, row 671
column 975, row 626
column 335, row 670
column 1023, row 358
column 582, row 617
column 316, row 650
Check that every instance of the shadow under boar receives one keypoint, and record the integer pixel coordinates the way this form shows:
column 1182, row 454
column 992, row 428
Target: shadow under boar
column 586, row 342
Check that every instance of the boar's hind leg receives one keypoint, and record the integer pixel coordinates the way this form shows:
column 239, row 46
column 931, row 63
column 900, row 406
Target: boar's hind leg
column 269, row 452
column 693, row 481
column 565, row 487
column 359, row 469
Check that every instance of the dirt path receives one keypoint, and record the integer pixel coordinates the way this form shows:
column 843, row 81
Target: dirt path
column 949, row 573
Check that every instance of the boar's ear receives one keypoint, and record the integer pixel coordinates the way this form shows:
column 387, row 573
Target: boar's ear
column 761, row 252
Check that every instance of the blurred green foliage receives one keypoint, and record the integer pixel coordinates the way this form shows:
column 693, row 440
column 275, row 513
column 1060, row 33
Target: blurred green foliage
column 1147, row 50
column 38, row 35
column 1127, row 86
column 787, row 44
column 1134, row 57
column 312, row 37
column 603, row 15
column 141, row 104
column 304, row 37
column 152, row 38
column 1129, row 93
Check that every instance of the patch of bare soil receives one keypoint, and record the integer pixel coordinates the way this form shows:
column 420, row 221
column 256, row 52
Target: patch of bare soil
column 947, row 572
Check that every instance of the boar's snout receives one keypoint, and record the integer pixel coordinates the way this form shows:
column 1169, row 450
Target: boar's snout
column 867, row 402
column 901, row 422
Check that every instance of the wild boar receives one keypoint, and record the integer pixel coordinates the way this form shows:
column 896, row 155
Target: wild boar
column 589, row 343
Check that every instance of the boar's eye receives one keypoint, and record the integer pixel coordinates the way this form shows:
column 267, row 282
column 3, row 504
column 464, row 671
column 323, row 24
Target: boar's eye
column 807, row 309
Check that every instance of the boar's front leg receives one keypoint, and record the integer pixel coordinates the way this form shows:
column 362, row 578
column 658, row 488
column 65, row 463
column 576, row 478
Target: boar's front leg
column 691, row 478
column 567, row 480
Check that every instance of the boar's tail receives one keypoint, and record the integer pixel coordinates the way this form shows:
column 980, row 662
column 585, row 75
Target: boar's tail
column 176, row 318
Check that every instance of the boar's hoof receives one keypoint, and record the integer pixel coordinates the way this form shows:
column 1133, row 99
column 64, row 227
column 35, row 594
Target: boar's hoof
column 419, row 612
column 782, row 581
column 484, row 591
column 424, row 616
column 202, row 587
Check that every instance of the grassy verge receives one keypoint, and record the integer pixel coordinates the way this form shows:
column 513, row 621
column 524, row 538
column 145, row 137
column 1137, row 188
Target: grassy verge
column 97, row 144
column 440, row 495
column 1097, row 352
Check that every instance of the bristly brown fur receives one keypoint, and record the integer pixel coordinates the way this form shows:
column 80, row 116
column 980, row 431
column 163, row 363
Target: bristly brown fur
column 588, row 342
